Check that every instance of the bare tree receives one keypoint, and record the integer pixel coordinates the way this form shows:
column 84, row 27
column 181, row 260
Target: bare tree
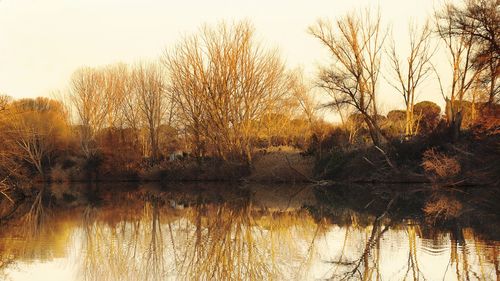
column 149, row 89
column 223, row 82
column 302, row 94
column 116, row 87
column 355, row 42
column 479, row 20
column 97, row 97
column 461, row 48
column 91, row 105
column 408, row 75
column 185, row 66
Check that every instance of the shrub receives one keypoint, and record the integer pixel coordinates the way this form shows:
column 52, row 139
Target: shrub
column 439, row 165
column 442, row 208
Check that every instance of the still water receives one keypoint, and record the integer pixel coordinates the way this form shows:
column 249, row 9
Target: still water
column 239, row 232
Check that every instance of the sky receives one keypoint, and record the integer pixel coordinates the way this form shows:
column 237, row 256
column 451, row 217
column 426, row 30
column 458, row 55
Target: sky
column 43, row 42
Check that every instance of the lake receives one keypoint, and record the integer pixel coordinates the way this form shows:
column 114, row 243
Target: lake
column 210, row 231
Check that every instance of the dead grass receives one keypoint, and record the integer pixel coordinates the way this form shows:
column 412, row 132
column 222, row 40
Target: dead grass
column 281, row 164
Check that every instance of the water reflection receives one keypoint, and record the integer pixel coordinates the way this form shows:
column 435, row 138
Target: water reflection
column 215, row 232
column 232, row 240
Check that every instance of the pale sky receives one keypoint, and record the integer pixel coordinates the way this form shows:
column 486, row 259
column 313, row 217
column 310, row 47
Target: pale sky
column 43, row 42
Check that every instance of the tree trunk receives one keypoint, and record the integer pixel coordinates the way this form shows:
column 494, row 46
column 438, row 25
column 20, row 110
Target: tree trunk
column 409, row 123
column 491, row 98
column 375, row 132
column 456, row 125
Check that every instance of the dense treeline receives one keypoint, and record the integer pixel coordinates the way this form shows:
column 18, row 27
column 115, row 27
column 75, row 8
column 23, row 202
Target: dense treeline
column 221, row 96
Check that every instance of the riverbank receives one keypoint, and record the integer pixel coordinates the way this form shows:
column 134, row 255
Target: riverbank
column 472, row 160
column 272, row 164
column 441, row 181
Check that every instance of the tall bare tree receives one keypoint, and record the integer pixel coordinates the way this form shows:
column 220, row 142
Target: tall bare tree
column 223, row 82
column 301, row 92
column 89, row 100
column 97, row 96
column 479, row 20
column 460, row 47
column 408, row 75
column 185, row 65
column 116, row 85
column 149, row 88
column 355, row 43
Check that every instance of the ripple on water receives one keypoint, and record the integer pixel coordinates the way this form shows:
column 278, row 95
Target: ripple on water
column 435, row 248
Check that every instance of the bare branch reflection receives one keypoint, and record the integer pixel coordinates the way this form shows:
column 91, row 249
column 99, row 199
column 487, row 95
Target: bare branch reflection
column 150, row 234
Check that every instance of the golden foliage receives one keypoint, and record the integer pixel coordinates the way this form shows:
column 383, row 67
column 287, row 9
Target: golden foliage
column 34, row 129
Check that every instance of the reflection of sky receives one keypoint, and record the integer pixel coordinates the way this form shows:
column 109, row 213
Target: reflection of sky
column 434, row 263
column 433, row 260
column 55, row 270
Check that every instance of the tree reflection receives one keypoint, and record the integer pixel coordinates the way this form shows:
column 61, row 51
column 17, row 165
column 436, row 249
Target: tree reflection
column 209, row 241
column 126, row 251
column 366, row 266
column 413, row 269
column 171, row 235
column 470, row 259
column 155, row 263
column 34, row 219
column 223, row 244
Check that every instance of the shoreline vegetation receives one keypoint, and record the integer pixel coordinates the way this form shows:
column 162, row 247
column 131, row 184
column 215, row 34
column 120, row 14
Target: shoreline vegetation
column 219, row 106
